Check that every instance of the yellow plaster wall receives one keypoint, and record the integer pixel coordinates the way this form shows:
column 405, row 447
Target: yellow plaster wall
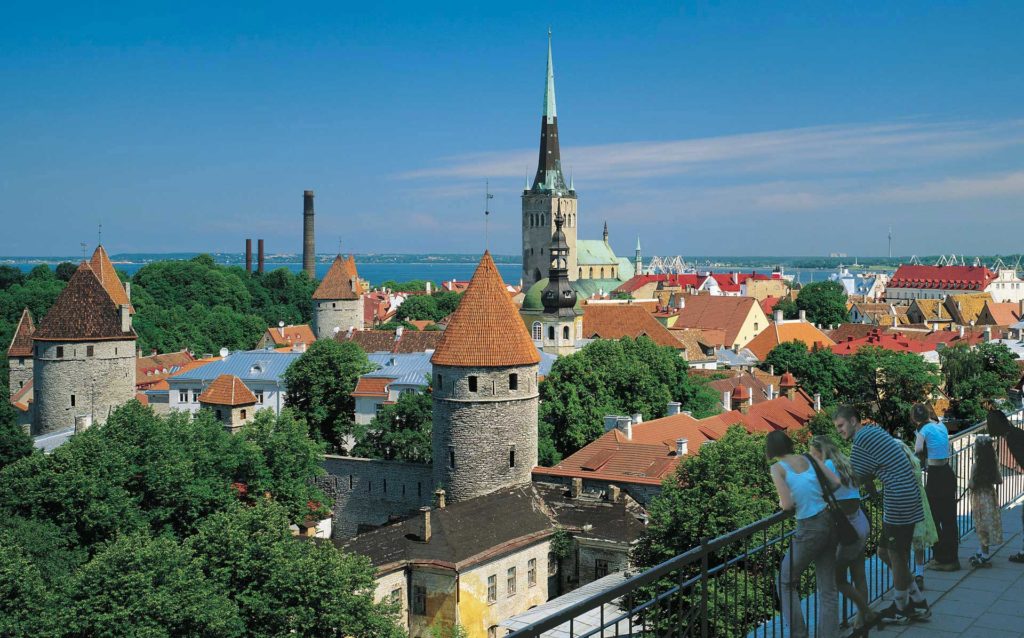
column 476, row 615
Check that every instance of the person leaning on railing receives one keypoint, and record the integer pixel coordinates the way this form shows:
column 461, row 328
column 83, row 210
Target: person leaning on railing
column 932, row 443
column 876, row 454
column 814, row 541
column 999, row 425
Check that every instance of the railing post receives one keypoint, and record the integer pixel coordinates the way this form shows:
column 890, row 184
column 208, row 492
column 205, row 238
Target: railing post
column 704, row 566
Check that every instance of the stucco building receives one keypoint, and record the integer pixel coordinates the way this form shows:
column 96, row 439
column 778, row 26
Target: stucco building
column 231, row 402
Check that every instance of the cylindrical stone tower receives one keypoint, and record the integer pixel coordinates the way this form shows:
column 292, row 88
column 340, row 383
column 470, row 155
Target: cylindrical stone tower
column 485, row 393
column 308, row 240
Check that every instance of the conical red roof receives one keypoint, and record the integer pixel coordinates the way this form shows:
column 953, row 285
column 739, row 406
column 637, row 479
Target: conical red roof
column 341, row 281
column 485, row 330
column 104, row 270
column 21, row 344
column 83, row 311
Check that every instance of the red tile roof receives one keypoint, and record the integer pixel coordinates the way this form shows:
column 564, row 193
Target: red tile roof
column 732, row 282
column 290, row 335
column 21, row 343
column 387, row 341
column 666, row 280
column 154, row 368
column 372, row 387
column 650, row 455
column 23, row 397
column 768, row 304
column 708, row 312
column 1004, row 314
column 615, row 321
column 84, row 311
column 105, row 272
column 786, row 332
column 964, row 278
column 227, row 389
column 896, row 342
column 485, row 330
column 341, row 281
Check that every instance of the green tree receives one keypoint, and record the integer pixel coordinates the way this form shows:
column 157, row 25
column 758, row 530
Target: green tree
column 824, row 302
column 447, row 301
column 419, row 308
column 9, row 275
column 614, row 377
column 401, row 432
column 25, row 598
column 415, row 285
column 14, row 443
column 976, row 375
column 788, row 356
column 65, row 269
column 820, row 372
column 788, row 307
column 885, row 384
column 320, row 385
column 146, row 587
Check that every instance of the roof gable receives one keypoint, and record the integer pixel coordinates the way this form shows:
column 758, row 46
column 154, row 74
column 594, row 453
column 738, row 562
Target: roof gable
column 341, row 281
column 105, row 272
column 21, row 343
column 227, row 389
column 84, row 311
column 615, row 321
column 485, row 330
column 711, row 312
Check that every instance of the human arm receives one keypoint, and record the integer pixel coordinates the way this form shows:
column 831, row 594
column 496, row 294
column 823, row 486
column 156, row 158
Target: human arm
column 785, row 495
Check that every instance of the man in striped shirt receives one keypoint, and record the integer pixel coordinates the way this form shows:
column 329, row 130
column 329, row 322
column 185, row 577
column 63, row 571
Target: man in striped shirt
column 876, row 454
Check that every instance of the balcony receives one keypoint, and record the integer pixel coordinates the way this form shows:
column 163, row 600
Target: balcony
column 727, row 585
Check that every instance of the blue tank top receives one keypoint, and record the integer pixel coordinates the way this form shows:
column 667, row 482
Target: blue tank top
column 844, row 493
column 806, row 491
column 936, row 440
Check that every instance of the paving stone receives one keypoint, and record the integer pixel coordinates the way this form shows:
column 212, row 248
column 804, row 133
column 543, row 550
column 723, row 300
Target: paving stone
column 1003, row 622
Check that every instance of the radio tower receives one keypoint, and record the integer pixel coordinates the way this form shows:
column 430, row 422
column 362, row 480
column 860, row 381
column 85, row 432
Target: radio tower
column 890, row 242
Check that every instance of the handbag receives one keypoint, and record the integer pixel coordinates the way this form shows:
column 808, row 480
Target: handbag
column 845, row 530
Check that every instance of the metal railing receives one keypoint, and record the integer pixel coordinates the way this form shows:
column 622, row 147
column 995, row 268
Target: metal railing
column 728, row 586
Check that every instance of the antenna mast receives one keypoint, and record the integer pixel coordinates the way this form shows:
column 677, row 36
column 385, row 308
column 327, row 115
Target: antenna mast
column 487, row 211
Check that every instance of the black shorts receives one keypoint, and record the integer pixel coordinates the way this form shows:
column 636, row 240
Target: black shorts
column 897, row 537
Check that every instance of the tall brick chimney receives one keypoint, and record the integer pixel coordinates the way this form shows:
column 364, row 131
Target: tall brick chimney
column 259, row 258
column 248, row 255
column 308, row 241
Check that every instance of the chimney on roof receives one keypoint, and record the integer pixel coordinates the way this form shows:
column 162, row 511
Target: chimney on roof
column 259, row 256
column 673, row 408
column 637, row 418
column 348, row 333
column 988, row 333
column 962, row 332
column 248, row 256
column 625, row 425
column 735, row 278
column 771, row 370
column 439, row 498
column 817, row 402
column 575, row 487
column 428, row 287
column 682, row 447
column 308, row 240
column 803, row 315
column 611, row 421
column 771, row 391
column 128, row 290
column 424, row 524
column 398, row 332
column 778, row 316
column 726, row 401
column 126, row 319
column 614, row 493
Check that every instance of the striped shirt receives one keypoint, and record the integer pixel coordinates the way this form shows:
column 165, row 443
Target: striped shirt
column 876, row 454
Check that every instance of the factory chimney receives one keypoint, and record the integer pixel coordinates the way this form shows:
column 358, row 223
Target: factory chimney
column 308, row 242
column 248, row 256
column 259, row 258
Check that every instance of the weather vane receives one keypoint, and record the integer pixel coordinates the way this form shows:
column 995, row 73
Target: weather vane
column 487, row 210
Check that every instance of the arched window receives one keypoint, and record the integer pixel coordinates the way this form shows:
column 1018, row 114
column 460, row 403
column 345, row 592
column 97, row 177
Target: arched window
column 581, row 274
column 602, row 273
column 538, row 332
column 591, row 272
column 565, row 332
column 551, row 333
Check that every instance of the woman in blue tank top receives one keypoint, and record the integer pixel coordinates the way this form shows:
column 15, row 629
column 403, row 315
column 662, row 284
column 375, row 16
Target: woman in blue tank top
column 814, row 540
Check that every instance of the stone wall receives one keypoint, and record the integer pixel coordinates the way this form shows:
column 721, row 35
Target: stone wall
column 328, row 315
column 20, row 372
column 487, row 439
column 590, row 551
column 99, row 382
column 366, row 492
column 537, row 236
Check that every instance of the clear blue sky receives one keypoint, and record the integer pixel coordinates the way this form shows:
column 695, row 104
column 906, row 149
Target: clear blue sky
column 705, row 128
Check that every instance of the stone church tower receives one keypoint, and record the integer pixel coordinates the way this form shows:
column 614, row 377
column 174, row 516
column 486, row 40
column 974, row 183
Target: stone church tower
column 84, row 351
column 557, row 326
column 548, row 197
column 485, row 393
column 338, row 300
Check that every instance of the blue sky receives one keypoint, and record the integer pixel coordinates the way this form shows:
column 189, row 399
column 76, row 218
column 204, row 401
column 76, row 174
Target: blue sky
column 705, row 128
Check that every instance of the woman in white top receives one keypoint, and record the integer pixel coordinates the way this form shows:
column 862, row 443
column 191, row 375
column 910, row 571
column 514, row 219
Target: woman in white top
column 932, row 443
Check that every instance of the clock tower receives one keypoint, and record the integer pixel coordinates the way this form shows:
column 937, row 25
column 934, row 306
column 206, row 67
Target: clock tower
column 548, row 197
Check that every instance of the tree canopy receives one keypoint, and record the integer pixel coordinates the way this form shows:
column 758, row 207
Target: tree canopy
column 613, row 377
column 401, row 432
column 976, row 375
column 824, row 302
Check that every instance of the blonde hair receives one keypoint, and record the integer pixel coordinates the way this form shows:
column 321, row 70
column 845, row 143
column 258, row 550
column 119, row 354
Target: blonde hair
column 831, row 452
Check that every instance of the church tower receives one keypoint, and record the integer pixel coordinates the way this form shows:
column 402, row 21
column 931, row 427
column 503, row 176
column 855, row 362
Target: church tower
column 549, row 195
column 557, row 325
column 485, row 395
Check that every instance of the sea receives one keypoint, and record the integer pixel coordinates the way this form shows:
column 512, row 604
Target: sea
column 377, row 273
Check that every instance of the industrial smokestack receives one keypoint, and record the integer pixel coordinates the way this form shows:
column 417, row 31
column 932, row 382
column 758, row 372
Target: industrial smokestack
column 248, row 255
column 308, row 241
column 259, row 258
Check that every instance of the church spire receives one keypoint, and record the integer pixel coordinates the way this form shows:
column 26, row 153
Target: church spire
column 558, row 297
column 549, row 166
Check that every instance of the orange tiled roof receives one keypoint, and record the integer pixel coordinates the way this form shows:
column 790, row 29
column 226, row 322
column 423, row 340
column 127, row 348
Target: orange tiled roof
column 23, row 397
column 372, row 387
column 21, row 343
column 291, row 335
column 84, row 311
column 709, row 312
column 786, row 332
column 485, row 330
column 1003, row 314
column 227, row 389
column 615, row 321
column 105, row 272
column 341, row 281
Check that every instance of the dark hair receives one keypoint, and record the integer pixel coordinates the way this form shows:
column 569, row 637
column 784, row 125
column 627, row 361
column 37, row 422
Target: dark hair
column 846, row 412
column 920, row 414
column 777, row 444
column 985, row 472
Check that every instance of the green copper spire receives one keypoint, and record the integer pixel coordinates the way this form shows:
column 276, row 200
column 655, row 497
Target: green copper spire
column 550, row 113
